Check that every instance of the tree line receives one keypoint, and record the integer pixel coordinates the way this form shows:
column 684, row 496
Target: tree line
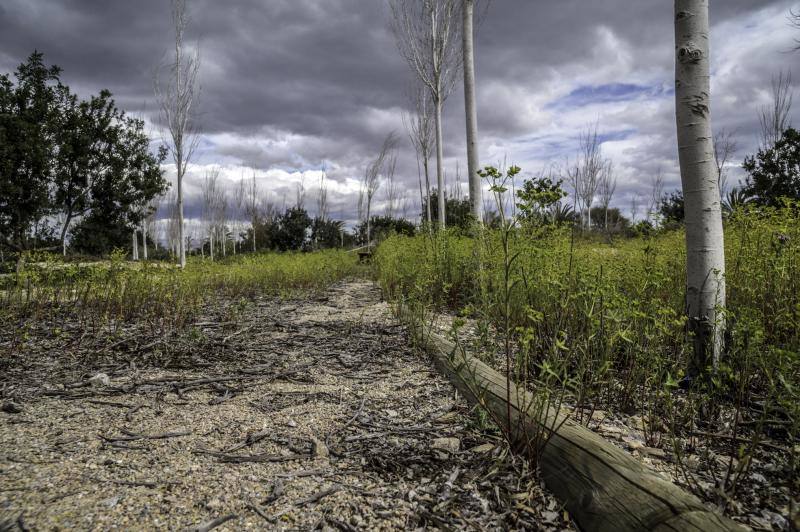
column 71, row 170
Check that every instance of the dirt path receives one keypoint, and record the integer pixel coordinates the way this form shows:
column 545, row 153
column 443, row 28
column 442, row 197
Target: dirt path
column 296, row 415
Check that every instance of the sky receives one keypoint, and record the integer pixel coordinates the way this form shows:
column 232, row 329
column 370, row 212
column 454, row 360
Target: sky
column 287, row 86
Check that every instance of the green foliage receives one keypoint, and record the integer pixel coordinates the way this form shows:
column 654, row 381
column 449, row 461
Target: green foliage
column 292, row 230
column 457, row 211
column 536, row 197
column 611, row 220
column 27, row 130
column 326, row 234
column 608, row 319
column 165, row 296
column 384, row 226
column 774, row 173
column 63, row 156
column 671, row 208
column 735, row 200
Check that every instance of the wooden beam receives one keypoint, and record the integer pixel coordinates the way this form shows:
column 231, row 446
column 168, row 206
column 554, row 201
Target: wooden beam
column 602, row 486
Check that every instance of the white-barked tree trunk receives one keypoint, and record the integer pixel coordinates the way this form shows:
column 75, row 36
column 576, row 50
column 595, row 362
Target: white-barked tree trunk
column 705, row 253
column 471, row 110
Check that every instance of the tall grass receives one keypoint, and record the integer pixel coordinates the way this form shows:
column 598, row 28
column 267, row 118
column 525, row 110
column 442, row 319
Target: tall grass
column 117, row 290
column 608, row 320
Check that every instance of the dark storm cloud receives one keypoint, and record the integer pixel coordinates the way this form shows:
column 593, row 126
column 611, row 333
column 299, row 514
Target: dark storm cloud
column 290, row 83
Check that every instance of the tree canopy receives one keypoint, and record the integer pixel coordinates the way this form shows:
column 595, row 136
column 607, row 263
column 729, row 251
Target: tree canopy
column 63, row 158
column 774, row 173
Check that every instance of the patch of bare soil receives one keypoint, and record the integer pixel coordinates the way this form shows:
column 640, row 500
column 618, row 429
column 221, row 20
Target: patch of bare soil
column 299, row 414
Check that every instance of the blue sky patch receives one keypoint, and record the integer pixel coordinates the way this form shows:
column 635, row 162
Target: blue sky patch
column 609, row 93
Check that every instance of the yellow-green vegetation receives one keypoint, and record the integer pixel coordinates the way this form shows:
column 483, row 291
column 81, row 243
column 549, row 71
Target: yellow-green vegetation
column 119, row 290
column 604, row 322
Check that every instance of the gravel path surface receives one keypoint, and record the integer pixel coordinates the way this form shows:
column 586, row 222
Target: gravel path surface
column 295, row 414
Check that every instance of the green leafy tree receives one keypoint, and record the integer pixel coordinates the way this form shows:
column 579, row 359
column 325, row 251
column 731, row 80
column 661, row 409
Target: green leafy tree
column 536, row 197
column 617, row 222
column 384, row 226
column 60, row 155
column 326, row 233
column 27, row 147
column 774, row 173
column 671, row 208
column 117, row 199
column 457, row 211
column 86, row 134
column 292, row 229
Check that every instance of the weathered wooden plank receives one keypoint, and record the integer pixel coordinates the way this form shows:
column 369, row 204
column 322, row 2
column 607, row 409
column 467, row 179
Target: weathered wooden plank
column 602, row 486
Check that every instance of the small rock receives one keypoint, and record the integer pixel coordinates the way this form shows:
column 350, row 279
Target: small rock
column 11, row 408
column 653, row 451
column 214, row 504
column 101, row 379
column 112, row 501
column 451, row 445
column 449, row 417
column 320, row 449
column 485, row 448
column 634, row 444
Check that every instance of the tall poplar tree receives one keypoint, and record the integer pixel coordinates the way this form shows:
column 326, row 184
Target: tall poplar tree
column 705, row 252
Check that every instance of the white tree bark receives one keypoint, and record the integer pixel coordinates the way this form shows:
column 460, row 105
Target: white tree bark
column 144, row 238
column 177, row 100
column 135, row 246
column 471, row 111
column 440, row 164
column 427, row 37
column 705, row 253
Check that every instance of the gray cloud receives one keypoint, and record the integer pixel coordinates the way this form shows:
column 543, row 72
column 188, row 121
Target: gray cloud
column 287, row 84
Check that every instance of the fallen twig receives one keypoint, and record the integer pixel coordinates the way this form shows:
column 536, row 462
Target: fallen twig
column 214, row 523
column 244, row 458
column 319, row 495
column 130, row 436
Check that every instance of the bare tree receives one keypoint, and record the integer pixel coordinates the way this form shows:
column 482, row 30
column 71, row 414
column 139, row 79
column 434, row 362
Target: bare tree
column 585, row 173
column 322, row 194
column 419, row 125
column 148, row 221
column 372, row 178
column 221, row 219
column 177, row 100
column 774, row 116
column 471, row 109
column 635, row 198
column 403, row 203
column 427, row 37
column 605, row 190
column 455, row 187
column 238, row 208
column 724, row 148
column 391, row 186
column 251, row 205
column 300, row 192
column 211, row 195
column 705, row 251
column 656, row 191
column 173, row 229
column 794, row 20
